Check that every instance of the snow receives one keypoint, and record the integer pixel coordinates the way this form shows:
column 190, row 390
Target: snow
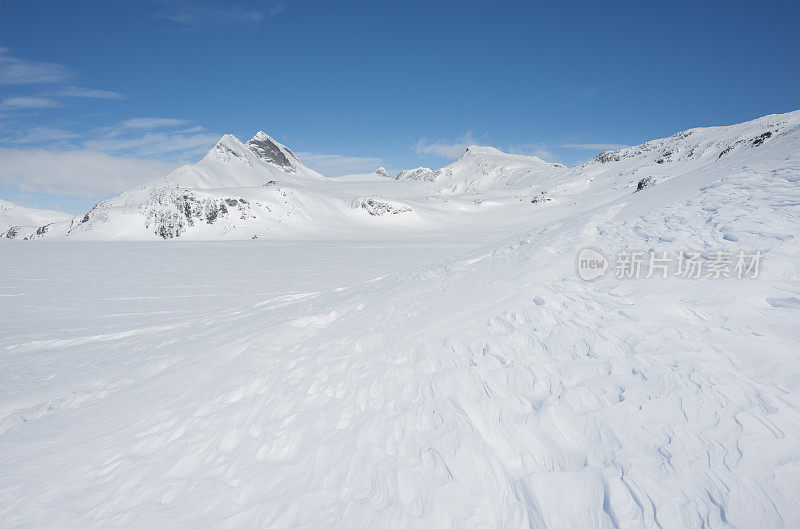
column 20, row 222
column 441, row 366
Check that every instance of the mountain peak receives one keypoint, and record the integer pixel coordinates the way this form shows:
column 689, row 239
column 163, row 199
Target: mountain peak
column 272, row 151
column 485, row 150
column 481, row 149
column 227, row 146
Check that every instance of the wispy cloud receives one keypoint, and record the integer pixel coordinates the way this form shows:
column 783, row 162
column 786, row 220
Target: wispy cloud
column 17, row 71
column 78, row 173
column 339, row 164
column 444, row 148
column 168, row 139
column 166, row 145
column 14, row 70
column 152, row 123
column 203, row 14
column 41, row 136
column 74, row 91
column 541, row 150
column 16, row 103
column 593, row 146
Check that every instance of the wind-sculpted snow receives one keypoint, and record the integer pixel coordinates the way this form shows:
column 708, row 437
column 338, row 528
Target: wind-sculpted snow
column 465, row 378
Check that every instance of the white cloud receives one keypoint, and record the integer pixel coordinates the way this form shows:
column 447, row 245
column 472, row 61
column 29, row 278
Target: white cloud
column 151, row 123
column 75, row 91
column 77, row 173
column 19, row 71
column 15, row 103
column 593, row 146
column 445, row 149
column 338, row 164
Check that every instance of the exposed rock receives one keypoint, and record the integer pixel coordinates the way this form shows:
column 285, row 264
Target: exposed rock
column 758, row 140
column 171, row 214
column 271, row 151
column 541, row 198
column 647, row 181
column 377, row 208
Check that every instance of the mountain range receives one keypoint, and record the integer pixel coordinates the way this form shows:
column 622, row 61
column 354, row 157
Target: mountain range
column 261, row 189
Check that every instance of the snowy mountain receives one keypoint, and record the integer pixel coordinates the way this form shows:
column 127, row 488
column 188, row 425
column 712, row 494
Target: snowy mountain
column 235, row 186
column 18, row 222
column 420, row 352
column 261, row 189
column 486, row 167
column 380, row 171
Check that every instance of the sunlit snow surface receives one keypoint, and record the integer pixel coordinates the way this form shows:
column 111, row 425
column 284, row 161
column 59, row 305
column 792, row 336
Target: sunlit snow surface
column 458, row 379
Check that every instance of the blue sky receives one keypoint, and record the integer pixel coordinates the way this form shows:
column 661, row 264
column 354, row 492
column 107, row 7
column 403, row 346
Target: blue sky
column 97, row 96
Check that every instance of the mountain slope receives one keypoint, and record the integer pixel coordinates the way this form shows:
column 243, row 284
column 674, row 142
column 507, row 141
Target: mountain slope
column 693, row 150
column 18, row 222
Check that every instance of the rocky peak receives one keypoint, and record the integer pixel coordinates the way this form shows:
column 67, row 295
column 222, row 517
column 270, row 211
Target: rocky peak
column 272, row 152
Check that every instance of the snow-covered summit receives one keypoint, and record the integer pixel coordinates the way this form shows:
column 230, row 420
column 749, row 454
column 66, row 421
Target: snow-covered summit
column 481, row 167
column 381, row 171
column 235, row 184
column 231, row 163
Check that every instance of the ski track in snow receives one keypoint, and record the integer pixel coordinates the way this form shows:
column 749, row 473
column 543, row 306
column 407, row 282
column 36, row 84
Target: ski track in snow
column 415, row 384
